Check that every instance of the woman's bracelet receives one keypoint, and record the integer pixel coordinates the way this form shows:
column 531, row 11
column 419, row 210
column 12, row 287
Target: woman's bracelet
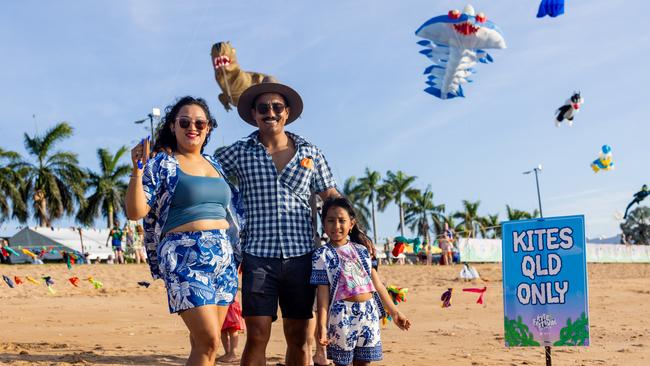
column 136, row 176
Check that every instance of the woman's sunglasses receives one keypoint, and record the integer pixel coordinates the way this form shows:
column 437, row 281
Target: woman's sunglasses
column 198, row 123
column 264, row 108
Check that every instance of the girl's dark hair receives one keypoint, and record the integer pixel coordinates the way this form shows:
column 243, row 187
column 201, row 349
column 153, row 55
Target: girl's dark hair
column 165, row 139
column 357, row 234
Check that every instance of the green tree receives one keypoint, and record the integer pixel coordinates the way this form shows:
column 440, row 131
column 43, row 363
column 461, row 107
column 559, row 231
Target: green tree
column 53, row 182
column 636, row 227
column 419, row 209
column 514, row 214
column 394, row 189
column 108, row 188
column 367, row 189
column 490, row 226
column 351, row 192
column 10, row 182
column 470, row 220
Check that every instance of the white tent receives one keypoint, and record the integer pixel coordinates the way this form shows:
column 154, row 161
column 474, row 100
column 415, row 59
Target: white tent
column 94, row 241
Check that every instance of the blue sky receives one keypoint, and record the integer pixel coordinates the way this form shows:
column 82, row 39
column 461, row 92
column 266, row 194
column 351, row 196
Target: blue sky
column 358, row 69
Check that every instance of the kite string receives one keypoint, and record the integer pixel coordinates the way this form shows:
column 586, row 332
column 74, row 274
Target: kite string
column 187, row 49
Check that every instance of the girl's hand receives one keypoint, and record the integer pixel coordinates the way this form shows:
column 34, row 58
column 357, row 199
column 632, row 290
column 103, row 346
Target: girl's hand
column 401, row 321
column 140, row 154
column 322, row 336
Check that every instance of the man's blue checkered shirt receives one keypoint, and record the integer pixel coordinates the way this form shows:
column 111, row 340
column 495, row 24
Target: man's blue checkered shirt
column 277, row 213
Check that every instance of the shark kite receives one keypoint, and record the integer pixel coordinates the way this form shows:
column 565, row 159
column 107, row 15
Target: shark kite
column 455, row 43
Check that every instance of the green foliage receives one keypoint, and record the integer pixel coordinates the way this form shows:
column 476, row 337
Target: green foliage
column 470, row 219
column 395, row 188
column 108, row 188
column 576, row 333
column 418, row 210
column 351, row 192
column 52, row 181
column 636, row 227
column 517, row 333
column 10, row 182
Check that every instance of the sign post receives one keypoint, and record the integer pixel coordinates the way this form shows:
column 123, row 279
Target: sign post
column 545, row 283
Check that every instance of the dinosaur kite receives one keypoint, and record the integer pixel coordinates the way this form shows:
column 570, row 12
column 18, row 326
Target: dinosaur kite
column 231, row 78
column 455, row 42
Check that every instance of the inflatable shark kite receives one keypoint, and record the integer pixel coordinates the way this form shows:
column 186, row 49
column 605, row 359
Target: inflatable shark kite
column 455, row 43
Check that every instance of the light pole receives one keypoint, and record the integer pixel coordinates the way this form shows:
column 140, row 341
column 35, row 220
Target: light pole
column 538, row 168
column 155, row 113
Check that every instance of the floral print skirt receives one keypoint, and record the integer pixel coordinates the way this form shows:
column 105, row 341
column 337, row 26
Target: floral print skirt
column 198, row 268
column 353, row 331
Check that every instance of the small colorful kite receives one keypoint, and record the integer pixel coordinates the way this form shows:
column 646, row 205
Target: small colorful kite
column 446, row 298
column 604, row 161
column 95, row 283
column 8, row 249
column 36, row 282
column 144, row 284
column 8, row 281
column 49, row 282
column 398, row 294
column 74, row 281
column 551, row 8
column 29, row 253
column 18, row 280
column 479, row 291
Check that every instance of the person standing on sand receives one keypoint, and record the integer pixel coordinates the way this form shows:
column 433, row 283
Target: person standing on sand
column 186, row 204
column 277, row 172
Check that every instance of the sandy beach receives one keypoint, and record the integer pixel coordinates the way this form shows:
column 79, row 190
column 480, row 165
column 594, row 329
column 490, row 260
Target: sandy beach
column 126, row 324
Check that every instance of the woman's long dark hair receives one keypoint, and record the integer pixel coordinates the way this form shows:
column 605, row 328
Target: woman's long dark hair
column 165, row 139
column 357, row 234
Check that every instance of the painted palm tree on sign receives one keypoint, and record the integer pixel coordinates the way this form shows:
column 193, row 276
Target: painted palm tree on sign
column 490, row 227
column 394, row 189
column 108, row 188
column 351, row 192
column 367, row 188
column 418, row 211
column 470, row 220
column 53, row 182
column 10, row 182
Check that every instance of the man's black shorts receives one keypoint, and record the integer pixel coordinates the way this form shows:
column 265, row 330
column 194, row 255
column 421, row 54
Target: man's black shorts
column 267, row 281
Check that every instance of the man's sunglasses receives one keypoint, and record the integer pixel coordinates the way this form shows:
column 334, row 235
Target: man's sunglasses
column 198, row 123
column 264, row 108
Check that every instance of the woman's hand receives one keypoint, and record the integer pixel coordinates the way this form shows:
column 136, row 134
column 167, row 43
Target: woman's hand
column 140, row 155
column 322, row 336
column 401, row 321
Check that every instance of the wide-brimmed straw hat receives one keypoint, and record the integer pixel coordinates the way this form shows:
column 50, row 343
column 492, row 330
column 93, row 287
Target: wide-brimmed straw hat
column 269, row 85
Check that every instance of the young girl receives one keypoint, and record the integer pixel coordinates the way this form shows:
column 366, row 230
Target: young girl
column 350, row 293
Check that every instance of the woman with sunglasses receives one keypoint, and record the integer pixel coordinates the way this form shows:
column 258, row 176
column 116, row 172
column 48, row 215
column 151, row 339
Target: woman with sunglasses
column 186, row 204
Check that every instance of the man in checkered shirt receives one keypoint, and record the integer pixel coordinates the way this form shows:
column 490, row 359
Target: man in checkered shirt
column 277, row 171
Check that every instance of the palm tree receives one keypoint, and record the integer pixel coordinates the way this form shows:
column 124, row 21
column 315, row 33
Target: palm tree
column 418, row 210
column 395, row 187
column 469, row 217
column 351, row 192
column 514, row 214
column 490, row 226
column 367, row 189
column 108, row 188
column 10, row 182
column 54, row 182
